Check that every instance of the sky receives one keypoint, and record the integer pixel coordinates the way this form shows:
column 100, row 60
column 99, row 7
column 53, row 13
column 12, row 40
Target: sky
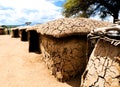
column 17, row 12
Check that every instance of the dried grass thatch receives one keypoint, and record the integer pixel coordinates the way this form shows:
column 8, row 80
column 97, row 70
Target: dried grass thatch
column 70, row 26
column 35, row 27
column 111, row 34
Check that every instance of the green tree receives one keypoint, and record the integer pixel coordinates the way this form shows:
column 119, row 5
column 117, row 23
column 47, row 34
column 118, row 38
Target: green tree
column 28, row 23
column 87, row 8
column 4, row 26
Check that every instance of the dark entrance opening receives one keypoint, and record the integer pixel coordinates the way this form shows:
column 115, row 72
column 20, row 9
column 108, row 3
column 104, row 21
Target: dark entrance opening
column 24, row 35
column 15, row 33
column 34, row 42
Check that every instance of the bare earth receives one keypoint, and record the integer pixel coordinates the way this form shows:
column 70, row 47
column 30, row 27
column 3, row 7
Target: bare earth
column 19, row 68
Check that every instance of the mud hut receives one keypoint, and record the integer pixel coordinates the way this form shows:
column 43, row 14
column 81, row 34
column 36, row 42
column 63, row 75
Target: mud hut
column 23, row 33
column 15, row 32
column 34, row 39
column 2, row 31
column 64, row 45
column 104, row 63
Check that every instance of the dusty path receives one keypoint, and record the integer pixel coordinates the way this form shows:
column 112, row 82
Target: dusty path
column 19, row 68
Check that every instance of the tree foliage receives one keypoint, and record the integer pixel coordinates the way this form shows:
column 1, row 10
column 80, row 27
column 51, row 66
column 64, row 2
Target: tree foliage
column 87, row 8
column 4, row 26
column 28, row 23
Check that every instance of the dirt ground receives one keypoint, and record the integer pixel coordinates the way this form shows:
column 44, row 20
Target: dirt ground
column 19, row 68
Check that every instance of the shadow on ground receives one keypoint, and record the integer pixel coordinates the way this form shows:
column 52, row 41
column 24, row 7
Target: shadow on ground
column 74, row 82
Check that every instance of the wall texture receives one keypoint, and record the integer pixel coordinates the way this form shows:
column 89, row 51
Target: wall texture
column 65, row 57
column 103, row 69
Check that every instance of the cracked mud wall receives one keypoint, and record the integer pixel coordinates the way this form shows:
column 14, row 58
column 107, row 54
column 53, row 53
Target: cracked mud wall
column 103, row 69
column 65, row 57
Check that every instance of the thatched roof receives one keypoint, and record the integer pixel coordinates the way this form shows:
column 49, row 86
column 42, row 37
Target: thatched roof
column 70, row 26
column 111, row 34
column 35, row 27
column 15, row 28
column 22, row 27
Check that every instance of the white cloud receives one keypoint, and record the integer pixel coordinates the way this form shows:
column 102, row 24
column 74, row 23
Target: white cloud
column 28, row 10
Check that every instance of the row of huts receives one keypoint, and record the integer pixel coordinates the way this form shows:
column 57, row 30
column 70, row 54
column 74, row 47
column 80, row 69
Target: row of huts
column 4, row 30
column 66, row 50
column 1, row 30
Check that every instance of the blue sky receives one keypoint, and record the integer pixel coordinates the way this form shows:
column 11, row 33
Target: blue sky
column 15, row 12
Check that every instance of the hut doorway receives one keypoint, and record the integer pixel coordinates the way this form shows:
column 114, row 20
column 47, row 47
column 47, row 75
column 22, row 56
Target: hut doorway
column 15, row 33
column 24, row 35
column 34, row 41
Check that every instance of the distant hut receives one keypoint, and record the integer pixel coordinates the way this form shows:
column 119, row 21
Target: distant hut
column 15, row 32
column 103, row 69
column 64, row 45
column 2, row 30
column 34, row 39
column 23, row 33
